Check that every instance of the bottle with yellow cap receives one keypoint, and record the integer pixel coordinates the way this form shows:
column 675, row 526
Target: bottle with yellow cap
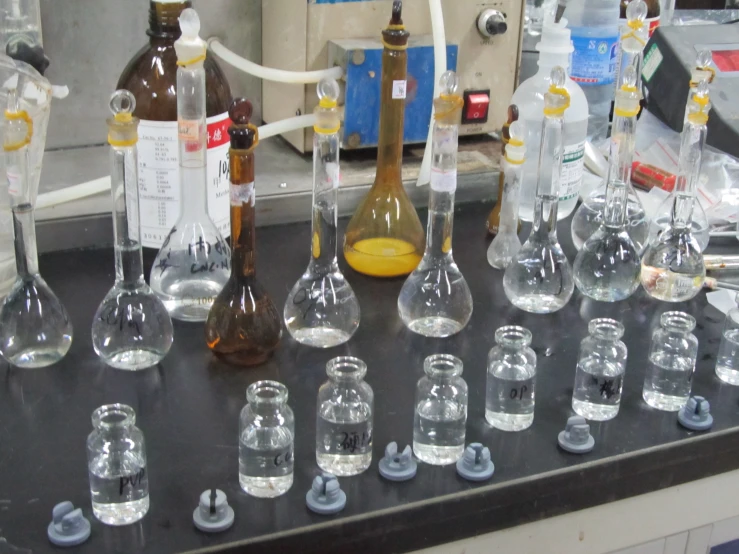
column 539, row 278
column 384, row 237
column 435, row 300
column 607, row 266
column 322, row 309
column 131, row 328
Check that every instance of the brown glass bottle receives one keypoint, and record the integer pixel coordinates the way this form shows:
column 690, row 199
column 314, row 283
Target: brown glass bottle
column 243, row 325
column 494, row 217
column 653, row 13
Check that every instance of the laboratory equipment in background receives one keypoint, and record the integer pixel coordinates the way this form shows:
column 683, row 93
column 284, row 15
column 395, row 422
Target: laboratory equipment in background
column 384, row 237
column 539, row 277
column 536, row 13
column 131, row 328
column 151, row 76
column 440, row 417
column 322, row 309
column 554, row 49
column 652, row 19
column 266, row 441
column 435, row 300
column 192, row 265
column 727, row 359
column 243, row 325
column 494, row 217
column 20, row 33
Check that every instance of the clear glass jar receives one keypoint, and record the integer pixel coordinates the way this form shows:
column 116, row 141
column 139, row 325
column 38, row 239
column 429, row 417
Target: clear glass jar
column 727, row 361
column 599, row 377
column 116, row 458
column 441, row 411
column 671, row 362
column 511, row 380
column 344, row 418
column 266, row 441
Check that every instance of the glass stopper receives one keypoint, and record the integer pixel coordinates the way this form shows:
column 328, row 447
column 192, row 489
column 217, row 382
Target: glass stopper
column 189, row 24
column 558, row 76
column 397, row 13
column 629, row 78
column 704, row 59
column 329, row 89
column 636, row 10
column 512, row 113
column 517, row 131
column 449, row 83
column 702, row 89
column 122, row 101
column 240, row 111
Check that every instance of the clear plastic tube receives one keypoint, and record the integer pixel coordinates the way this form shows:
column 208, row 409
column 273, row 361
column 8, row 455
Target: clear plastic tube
column 286, row 125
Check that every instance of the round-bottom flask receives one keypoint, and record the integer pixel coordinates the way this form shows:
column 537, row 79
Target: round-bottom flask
column 699, row 226
column 672, row 267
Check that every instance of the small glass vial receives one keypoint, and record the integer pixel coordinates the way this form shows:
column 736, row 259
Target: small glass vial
column 727, row 361
column 116, row 458
column 441, row 411
column 266, row 439
column 599, row 377
column 509, row 400
column 671, row 362
column 344, row 418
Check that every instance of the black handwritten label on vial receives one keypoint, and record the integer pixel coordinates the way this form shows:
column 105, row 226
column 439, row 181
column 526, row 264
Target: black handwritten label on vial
column 354, row 440
column 284, row 458
column 116, row 317
column 307, row 299
column 519, row 393
column 606, row 387
column 131, row 481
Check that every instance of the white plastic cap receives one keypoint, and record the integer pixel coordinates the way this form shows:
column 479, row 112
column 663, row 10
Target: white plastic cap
column 190, row 46
column 555, row 46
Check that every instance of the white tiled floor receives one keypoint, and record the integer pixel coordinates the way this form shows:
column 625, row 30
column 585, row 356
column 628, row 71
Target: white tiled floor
column 695, row 541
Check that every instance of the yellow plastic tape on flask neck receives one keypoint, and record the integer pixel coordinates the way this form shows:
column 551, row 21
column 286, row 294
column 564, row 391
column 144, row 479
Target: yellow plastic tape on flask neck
column 196, row 59
column 19, row 115
column 700, row 117
column 558, row 110
column 123, row 118
column 708, row 69
column 455, row 103
column 326, row 103
column 516, row 143
column 619, row 110
column 635, row 25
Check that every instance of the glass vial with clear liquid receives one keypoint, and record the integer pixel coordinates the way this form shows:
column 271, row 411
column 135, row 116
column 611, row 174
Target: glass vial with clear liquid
column 131, row 328
column 511, row 380
column 599, row 377
column 243, row 325
column 671, row 365
column 435, row 300
column 344, row 418
column 116, row 458
column 494, row 217
column 35, row 329
column 266, row 441
column 193, row 264
column 539, row 277
column 322, row 309
column 440, row 419
column 727, row 359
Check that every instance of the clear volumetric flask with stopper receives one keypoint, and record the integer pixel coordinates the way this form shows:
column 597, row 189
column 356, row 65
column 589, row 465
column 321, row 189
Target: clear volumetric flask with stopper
column 116, row 460
column 672, row 266
column 266, row 437
column 35, row 329
column 599, row 377
column 671, row 362
column 539, row 277
column 193, row 264
column 435, row 300
column 131, row 328
column 494, row 217
column 344, row 418
column 727, row 360
column 243, row 325
column 322, row 309
column 511, row 380
column 440, row 419
column 607, row 266
column 506, row 243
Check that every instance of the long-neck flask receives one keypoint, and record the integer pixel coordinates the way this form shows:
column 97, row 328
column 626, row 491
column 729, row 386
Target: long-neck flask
column 506, row 243
column 494, row 218
column 435, row 300
column 35, row 329
column 384, row 237
column 607, row 266
column 539, row 277
column 672, row 266
column 243, row 325
column 193, row 264
column 591, row 213
column 131, row 328
column 322, row 309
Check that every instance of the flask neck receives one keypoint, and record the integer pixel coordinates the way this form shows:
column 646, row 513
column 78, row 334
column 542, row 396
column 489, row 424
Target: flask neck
column 548, row 177
column 243, row 251
column 126, row 230
column 325, row 187
column 692, row 144
column 392, row 112
column 164, row 20
column 24, row 228
column 442, row 189
column 509, row 198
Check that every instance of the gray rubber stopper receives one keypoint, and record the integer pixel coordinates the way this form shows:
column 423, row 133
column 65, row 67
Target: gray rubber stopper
column 398, row 467
column 576, row 437
column 68, row 526
column 213, row 513
column 325, row 496
column 475, row 464
column 696, row 414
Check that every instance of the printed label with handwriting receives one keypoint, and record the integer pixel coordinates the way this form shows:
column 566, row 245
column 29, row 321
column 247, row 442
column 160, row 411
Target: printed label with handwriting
column 243, row 194
column 353, row 439
column 399, row 90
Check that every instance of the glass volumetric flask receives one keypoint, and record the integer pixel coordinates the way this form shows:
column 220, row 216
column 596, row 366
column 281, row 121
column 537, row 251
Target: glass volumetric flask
column 539, row 277
column 511, row 380
column 440, row 419
column 435, row 300
column 322, row 309
column 727, row 360
column 506, row 243
column 116, row 461
column 494, row 218
column 131, row 328
column 384, row 237
column 671, row 362
column 607, row 266
column 193, row 264
column 243, row 326
column 35, row 329
column 266, row 437
column 599, row 377
column 344, row 418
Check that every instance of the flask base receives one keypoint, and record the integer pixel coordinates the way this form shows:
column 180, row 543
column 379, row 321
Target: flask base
column 265, row 487
column 344, row 465
column 133, row 359
column 664, row 402
column 38, row 357
column 435, row 326
column 437, row 455
column 727, row 375
column 539, row 303
column 594, row 412
column 121, row 513
column 509, row 422
column 382, row 257
column 320, row 337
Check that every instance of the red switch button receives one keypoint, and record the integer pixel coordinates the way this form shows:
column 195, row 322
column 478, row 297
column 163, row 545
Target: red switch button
column 476, row 106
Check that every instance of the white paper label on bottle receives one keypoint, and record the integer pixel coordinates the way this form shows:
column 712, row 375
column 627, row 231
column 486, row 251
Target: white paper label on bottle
column 443, row 180
column 399, row 88
column 243, row 194
column 159, row 177
column 14, row 180
column 572, row 168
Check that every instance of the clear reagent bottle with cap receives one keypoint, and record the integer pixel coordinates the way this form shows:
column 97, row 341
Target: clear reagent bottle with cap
column 727, row 359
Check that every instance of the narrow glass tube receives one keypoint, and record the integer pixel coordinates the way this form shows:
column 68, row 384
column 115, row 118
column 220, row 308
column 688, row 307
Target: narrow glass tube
column 494, row 216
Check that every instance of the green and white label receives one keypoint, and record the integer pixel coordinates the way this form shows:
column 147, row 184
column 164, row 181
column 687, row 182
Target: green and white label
column 652, row 60
column 572, row 168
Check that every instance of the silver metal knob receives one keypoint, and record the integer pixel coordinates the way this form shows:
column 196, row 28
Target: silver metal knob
column 491, row 23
